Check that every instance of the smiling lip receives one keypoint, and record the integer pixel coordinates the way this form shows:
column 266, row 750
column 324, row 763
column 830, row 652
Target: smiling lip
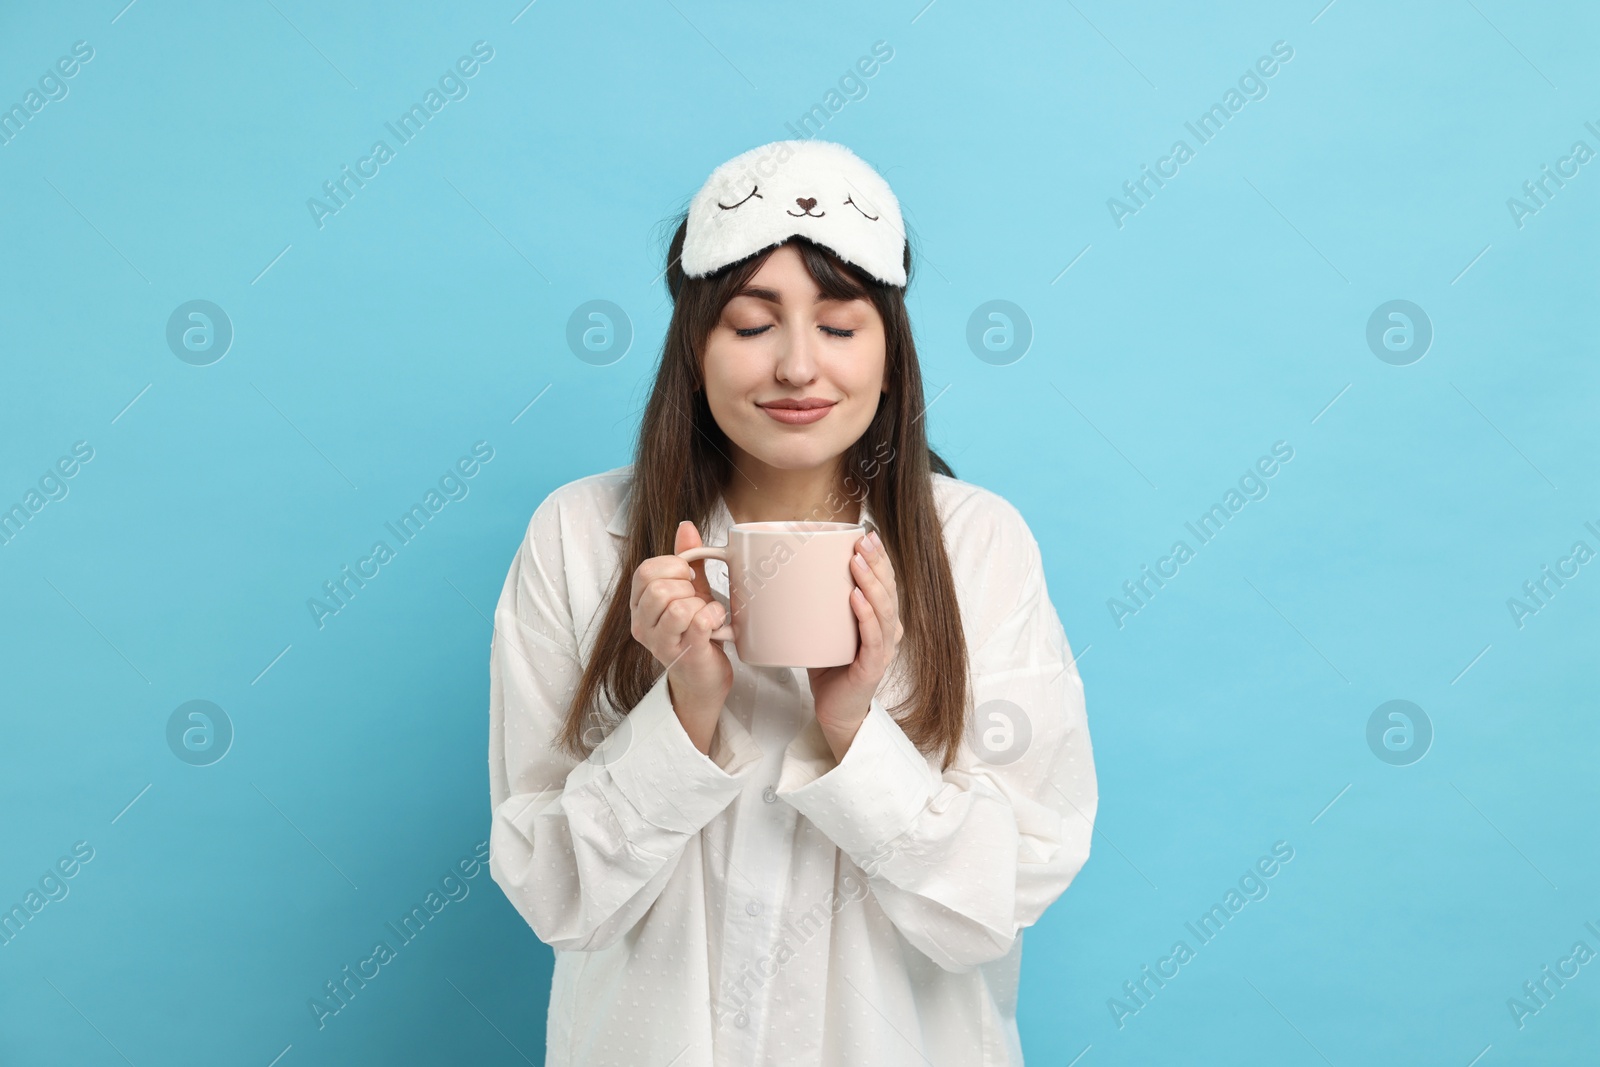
column 798, row 412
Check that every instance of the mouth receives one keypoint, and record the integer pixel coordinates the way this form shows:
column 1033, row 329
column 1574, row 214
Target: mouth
column 798, row 412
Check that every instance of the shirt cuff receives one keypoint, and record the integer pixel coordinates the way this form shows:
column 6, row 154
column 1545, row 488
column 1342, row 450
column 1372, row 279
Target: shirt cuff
column 657, row 768
column 867, row 800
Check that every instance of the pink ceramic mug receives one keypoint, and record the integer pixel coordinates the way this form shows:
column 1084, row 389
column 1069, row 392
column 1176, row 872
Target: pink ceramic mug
column 789, row 591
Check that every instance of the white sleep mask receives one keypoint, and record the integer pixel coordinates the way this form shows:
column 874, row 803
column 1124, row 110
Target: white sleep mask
column 816, row 189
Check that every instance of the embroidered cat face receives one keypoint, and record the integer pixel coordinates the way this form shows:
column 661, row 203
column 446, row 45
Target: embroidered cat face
column 817, row 189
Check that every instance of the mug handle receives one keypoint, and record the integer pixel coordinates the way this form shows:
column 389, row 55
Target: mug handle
column 716, row 552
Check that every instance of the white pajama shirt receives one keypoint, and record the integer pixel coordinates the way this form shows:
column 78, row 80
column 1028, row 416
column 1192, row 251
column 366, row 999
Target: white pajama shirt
column 767, row 904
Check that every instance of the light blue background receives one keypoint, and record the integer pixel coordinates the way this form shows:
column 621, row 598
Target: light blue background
column 1229, row 313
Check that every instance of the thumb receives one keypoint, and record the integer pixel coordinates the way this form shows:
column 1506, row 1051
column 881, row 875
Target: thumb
column 688, row 536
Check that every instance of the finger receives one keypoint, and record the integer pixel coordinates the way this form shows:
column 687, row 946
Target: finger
column 654, row 568
column 709, row 617
column 879, row 597
column 888, row 607
column 687, row 537
column 881, row 566
column 871, row 631
column 885, row 613
column 702, row 584
column 659, row 595
column 678, row 618
column 698, row 633
column 877, row 561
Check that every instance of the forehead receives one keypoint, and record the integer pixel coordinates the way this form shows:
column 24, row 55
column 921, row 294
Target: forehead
column 784, row 278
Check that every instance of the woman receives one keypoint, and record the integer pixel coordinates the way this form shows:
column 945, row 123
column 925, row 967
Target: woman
column 742, row 865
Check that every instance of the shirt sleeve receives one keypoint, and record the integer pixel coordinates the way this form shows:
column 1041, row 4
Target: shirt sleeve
column 582, row 848
column 961, row 861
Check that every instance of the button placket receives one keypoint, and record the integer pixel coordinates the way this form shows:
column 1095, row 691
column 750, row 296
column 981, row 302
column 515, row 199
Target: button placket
column 750, row 939
column 762, row 845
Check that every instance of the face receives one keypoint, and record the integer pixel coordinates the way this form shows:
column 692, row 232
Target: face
column 780, row 341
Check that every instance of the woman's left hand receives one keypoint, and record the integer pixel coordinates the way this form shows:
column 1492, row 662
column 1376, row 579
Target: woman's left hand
column 843, row 695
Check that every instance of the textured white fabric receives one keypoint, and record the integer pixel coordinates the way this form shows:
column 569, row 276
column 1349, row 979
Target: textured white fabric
column 766, row 905
column 817, row 189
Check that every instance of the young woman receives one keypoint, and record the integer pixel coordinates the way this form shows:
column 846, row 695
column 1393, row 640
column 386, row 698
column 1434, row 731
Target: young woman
column 743, row 865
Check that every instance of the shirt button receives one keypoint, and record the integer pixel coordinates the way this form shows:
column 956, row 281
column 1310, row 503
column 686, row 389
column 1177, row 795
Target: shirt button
column 769, row 795
column 753, row 908
column 741, row 1020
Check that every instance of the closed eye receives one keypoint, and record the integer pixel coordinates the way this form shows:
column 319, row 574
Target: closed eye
column 857, row 206
column 829, row 330
column 730, row 207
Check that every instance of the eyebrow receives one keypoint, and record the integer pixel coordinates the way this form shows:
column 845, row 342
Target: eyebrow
column 771, row 296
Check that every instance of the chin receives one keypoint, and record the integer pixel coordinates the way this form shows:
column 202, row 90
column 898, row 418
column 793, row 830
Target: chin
column 795, row 454
column 796, row 459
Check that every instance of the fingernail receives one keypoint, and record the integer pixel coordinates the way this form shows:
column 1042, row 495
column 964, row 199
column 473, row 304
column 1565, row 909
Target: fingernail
column 875, row 539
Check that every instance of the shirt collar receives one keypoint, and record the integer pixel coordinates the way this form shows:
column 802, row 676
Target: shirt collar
column 618, row 526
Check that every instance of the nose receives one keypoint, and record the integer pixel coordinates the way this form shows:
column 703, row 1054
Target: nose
column 806, row 202
column 797, row 362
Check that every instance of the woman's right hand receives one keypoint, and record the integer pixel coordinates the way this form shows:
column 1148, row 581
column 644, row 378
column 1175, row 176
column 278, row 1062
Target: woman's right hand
column 674, row 613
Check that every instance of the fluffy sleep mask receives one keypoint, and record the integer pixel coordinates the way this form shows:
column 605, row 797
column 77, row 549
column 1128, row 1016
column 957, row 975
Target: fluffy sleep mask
column 816, row 189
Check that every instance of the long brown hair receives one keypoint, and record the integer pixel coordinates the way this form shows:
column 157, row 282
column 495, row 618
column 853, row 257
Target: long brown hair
column 681, row 463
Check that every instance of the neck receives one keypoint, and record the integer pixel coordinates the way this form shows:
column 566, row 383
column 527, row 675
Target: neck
column 761, row 493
